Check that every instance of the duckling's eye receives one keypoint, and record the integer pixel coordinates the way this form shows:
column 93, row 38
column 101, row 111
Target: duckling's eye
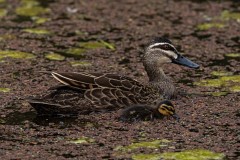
column 170, row 108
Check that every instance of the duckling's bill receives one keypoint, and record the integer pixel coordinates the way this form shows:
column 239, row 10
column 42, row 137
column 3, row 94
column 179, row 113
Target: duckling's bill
column 175, row 116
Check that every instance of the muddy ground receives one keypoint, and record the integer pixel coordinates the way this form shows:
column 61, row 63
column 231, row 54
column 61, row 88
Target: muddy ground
column 209, row 113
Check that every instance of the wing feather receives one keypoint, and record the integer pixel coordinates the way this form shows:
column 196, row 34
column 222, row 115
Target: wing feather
column 95, row 80
column 81, row 80
column 112, row 98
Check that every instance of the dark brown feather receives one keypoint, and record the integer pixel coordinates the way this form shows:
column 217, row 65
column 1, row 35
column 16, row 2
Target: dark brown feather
column 86, row 92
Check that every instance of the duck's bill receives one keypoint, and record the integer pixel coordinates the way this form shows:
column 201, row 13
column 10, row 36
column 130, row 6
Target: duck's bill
column 185, row 62
column 175, row 116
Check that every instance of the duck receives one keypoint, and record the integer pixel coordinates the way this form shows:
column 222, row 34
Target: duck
column 143, row 112
column 82, row 93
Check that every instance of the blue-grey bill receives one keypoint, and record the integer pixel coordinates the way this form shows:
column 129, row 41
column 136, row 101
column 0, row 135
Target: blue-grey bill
column 175, row 116
column 185, row 62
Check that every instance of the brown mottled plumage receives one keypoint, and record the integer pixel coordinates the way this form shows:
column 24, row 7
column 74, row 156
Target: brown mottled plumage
column 87, row 92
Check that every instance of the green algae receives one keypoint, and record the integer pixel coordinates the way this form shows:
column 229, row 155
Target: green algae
column 230, row 83
column 197, row 154
column 96, row 44
column 31, row 8
column 147, row 156
column 233, row 55
column 220, row 82
column 234, row 78
column 37, row 31
column 220, row 20
column 152, row 144
column 82, row 140
column 40, row 20
column 210, row 83
column 235, row 88
column 15, row 54
column 221, row 73
column 5, row 90
column 108, row 45
column 54, row 56
column 85, row 46
column 31, row 11
column 80, row 64
column 91, row 45
column 226, row 15
column 7, row 37
column 29, row 2
column 76, row 52
column 206, row 26
column 3, row 12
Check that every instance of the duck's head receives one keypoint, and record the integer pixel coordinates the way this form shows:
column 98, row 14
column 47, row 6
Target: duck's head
column 166, row 108
column 160, row 51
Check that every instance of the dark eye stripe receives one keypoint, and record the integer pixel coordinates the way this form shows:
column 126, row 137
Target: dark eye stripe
column 168, row 108
column 164, row 47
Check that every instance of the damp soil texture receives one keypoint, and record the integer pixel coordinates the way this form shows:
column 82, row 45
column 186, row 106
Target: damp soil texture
column 108, row 36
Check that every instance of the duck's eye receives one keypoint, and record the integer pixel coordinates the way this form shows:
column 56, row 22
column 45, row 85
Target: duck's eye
column 165, row 46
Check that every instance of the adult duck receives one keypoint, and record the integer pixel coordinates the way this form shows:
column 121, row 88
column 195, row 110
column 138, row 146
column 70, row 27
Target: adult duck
column 86, row 92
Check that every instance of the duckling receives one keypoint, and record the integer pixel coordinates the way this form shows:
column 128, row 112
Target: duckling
column 148, row 112
column 83, row 92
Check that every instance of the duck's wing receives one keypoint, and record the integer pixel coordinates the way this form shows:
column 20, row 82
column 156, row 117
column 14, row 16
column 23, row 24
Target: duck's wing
column 60, row 100
column 86, row 81
column 80, row 80
column 92, row 91
column 68, row 100
column 112, row 98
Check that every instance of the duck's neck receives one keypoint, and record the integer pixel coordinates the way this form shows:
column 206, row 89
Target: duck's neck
column 156, row 74
column 159, row 81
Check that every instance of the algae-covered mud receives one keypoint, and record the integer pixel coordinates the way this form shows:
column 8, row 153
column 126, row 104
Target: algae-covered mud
column 82, row 140
column 15, row 54
column 109, row 36
column 184, row 155
column 5, row 89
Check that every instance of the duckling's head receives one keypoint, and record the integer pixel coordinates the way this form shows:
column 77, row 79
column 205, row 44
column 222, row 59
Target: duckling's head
column 166, row 108
column 148, row 112
column 161, row 50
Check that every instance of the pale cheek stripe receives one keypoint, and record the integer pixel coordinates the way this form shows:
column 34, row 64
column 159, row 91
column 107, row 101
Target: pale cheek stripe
column 159, row 44
column 169, row 53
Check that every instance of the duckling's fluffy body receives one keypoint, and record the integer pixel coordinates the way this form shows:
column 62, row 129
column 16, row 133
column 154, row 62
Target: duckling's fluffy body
column 137, row 113
column 148, row 112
